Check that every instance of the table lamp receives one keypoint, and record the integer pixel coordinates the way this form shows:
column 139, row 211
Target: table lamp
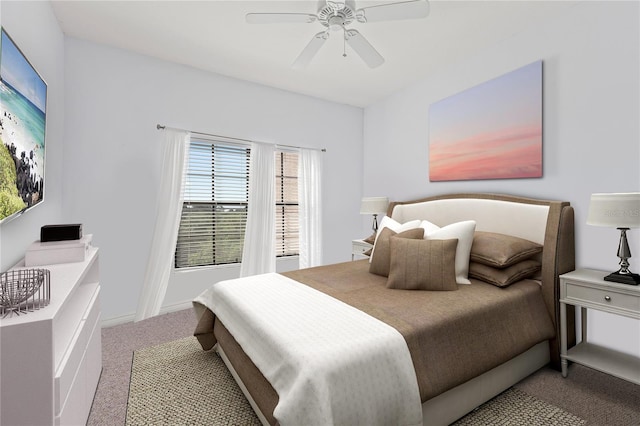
column 622, row 211
column 374, row 205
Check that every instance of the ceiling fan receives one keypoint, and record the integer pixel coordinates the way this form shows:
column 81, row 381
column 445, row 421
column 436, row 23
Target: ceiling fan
column 337, row 15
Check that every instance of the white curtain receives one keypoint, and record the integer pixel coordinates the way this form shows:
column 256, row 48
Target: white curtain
column 259, row 252
column 310, row 207
column 175, row 148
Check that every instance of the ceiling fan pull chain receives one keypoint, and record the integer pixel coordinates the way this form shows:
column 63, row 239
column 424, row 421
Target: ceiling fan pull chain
column 344, row 42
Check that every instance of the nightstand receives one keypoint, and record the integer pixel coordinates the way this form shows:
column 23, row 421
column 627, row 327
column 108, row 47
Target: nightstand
column 586, row 288
column 358, row 248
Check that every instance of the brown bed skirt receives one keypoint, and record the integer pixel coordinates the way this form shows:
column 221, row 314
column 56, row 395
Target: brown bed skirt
column 263, row 394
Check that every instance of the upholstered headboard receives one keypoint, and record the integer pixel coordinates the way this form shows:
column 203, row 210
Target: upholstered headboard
column 549, row 223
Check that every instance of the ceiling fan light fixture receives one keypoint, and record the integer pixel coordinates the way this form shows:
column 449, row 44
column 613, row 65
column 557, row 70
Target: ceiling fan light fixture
column 336, row 23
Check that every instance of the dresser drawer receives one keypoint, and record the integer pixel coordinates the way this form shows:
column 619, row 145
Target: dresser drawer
column 604, row 298
column 69, row 367
column 77, row 406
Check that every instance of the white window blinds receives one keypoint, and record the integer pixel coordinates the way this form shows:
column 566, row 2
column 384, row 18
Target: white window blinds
column 214, row 213
column 287, row 225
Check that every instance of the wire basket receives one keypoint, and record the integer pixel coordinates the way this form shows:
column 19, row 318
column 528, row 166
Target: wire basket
column 24, row 290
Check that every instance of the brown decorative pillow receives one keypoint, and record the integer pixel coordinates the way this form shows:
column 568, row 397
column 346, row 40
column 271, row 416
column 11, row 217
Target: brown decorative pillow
column 381, row 255
column 371, row 239
column 422, row 264
column 500, row 250
column 505, row 276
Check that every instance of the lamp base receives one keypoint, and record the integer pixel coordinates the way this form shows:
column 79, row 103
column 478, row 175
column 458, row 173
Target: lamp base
column 631, row 279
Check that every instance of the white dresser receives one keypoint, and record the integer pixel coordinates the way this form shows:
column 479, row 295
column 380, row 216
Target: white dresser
column 51, row 358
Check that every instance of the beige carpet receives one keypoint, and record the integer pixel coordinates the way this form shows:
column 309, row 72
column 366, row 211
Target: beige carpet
column 177, row 383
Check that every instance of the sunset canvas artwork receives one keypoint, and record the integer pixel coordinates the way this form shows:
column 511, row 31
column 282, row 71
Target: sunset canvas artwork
column 490, row 131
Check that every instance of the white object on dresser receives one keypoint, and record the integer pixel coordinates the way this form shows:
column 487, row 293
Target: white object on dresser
column 588, row 289
column 51, row 359
column 54, row 252
column 358, row 248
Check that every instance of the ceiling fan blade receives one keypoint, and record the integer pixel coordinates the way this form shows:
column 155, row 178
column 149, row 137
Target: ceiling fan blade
column 310, row 50
column 280, row 18
column 363, row 48
column 413, row 9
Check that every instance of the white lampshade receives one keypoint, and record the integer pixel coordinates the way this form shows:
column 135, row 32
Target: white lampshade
column 374, row 205
column 615, row 210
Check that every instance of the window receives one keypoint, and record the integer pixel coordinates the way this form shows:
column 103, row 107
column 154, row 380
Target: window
column 214, row 213
column 286, row 204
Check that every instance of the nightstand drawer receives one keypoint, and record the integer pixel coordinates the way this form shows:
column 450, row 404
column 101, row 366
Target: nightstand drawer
column 610, row 299
column 360, row 249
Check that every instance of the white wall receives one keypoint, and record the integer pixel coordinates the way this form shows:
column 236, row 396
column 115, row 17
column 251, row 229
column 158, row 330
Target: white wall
column 34, row 28
column 591, row 139
column 114, row 99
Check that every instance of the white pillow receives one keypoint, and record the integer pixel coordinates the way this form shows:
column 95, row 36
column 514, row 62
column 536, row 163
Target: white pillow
column 396, row 227
column 463, row 231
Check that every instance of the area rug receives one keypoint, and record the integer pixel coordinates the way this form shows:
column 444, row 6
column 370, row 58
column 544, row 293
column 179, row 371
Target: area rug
column 177, row 383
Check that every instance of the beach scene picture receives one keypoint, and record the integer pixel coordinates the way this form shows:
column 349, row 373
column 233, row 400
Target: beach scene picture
column 490, row 131
column 23, row 99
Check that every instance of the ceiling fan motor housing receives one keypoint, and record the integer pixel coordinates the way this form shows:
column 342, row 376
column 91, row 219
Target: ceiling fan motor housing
column 336, row 15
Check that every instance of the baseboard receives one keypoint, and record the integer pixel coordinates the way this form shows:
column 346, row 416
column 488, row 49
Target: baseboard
column 110, row 322
column 176, row 307
column 123, row 319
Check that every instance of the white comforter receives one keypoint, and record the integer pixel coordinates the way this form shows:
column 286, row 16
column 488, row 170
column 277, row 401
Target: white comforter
column 329, row 362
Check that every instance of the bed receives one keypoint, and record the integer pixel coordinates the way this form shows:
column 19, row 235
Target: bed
column 465, row 346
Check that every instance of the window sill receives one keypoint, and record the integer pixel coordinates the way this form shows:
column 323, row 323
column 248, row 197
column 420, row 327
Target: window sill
column 227, row 265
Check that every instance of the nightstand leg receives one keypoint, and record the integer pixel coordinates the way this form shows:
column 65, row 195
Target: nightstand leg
column 563, row 339
column 583, row 315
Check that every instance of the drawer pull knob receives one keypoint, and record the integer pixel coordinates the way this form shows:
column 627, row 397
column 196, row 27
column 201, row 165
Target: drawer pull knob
column 607, row 298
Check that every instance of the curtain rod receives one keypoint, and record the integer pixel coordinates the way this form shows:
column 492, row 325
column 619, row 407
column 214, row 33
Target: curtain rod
column 161, row 127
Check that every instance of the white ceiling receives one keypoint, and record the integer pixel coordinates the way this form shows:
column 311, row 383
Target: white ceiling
column 213, row 35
